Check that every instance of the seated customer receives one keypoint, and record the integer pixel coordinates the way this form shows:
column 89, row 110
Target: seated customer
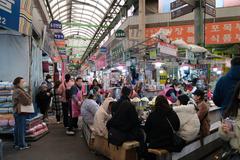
column 202, row 112
column 89, row 108
column 189, row 122
column 102, row 116
column 125, row 122
column 158, row 130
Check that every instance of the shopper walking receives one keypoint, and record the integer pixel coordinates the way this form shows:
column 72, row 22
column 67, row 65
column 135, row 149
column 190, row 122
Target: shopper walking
column 76, row 102
column 48, row 83
column 229, row 130
column 42, row 99
column 65, row 92
column 225, row 86
column 20, row 97
column 57, row 105
column 95, row 84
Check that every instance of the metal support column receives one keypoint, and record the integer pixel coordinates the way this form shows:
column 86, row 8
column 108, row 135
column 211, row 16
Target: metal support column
column 142, row 23
column 199, row 23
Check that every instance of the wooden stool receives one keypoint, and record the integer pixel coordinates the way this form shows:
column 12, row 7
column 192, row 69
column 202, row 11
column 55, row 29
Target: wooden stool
column 161, row 154
column 101, row 146
column 126, row 152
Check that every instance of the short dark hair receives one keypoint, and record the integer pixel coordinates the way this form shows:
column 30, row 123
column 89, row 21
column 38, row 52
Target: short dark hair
column 95, row 80
column 78, row 78
column 199, row 93
column 67, row 77
column 17, row 81
column 91, row 94
column 176, row 83
column 235, row 61
column 48, row 76
column 126, row 91
column 184, row 99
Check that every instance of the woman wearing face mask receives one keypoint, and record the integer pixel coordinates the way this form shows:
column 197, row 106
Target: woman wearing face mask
column 20, row 97
column 230, row 128
column 173, row 92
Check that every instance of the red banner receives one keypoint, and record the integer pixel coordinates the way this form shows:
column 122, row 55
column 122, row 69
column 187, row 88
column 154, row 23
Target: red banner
column 216, row 33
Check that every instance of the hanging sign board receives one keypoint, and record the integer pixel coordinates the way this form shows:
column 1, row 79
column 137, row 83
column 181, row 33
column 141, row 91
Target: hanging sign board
column 103, row 50
column 120, row 33
column 167, row 49
column 117, row 53
column 54, row 24
column 58, row 36
column 153, row 54
column 181, row 11
column 210, row 11
column 211, row 3
column 177, row 4
column 16, row 15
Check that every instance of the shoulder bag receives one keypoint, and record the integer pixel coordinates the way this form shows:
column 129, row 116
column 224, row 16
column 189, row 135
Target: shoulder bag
column 178, row 143
column 27, row 109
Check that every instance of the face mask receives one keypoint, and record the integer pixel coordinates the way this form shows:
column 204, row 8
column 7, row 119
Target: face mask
column 177, row 89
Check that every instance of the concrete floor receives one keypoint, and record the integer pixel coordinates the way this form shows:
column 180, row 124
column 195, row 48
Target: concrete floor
column 54, row 146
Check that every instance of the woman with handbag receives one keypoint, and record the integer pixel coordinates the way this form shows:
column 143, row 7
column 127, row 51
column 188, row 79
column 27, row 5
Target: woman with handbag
column 229, row 131
column 161, row 126
column 20, row 99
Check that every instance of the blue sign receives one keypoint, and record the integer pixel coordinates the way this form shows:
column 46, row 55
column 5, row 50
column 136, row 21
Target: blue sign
column 62, row 52
column 55, row 24
column 58, row 36
column 10, row 13
column 103, row 49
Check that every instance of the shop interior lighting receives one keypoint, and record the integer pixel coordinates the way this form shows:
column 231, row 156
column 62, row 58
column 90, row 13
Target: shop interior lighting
column 185, row 67
column 219, row 72
column 215, row 69
column 161, row 71
column 158, row 64
column 124, row 70
column 120, row 68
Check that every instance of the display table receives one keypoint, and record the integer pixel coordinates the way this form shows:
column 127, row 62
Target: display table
column 152, row 93
column 6, row 108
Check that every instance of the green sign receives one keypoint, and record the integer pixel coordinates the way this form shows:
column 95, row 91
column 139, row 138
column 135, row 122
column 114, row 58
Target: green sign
column 117, row 52
column 153, row 54
column 120, row 33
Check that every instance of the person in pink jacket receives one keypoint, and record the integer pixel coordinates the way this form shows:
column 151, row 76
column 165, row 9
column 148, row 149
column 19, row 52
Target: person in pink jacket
column 64, row 91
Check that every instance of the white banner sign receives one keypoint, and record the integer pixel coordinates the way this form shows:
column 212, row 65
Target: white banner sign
column 168, row 49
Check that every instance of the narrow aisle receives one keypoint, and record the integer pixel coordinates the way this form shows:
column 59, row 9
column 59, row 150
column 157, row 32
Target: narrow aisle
column 54, row 146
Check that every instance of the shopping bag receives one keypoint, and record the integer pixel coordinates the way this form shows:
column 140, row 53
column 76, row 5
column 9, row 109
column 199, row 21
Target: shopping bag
column 27, row 109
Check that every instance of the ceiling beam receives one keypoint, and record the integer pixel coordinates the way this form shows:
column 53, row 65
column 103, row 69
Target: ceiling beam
column 114, row 22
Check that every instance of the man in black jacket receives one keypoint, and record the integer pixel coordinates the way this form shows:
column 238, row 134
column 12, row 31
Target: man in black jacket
column 125, row 120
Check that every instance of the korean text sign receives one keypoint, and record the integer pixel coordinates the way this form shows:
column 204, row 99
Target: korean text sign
column 216, row 33
column 10, row 13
